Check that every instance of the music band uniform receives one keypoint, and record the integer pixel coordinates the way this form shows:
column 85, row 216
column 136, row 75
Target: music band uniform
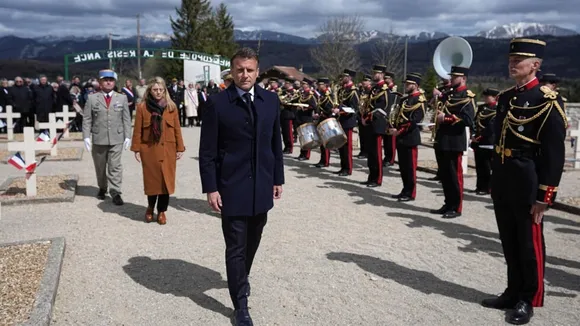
column 364, row 131
column 376, row 122
column 411, row 112
column 459, row 111
column 348, row 97
column 527, row 166
column 287, row 117
column 389, row 141
column 482, row 134
column 325, row 106
column 304, row 115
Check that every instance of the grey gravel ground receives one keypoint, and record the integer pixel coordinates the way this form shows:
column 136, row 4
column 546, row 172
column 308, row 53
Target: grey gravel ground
column 333, row 253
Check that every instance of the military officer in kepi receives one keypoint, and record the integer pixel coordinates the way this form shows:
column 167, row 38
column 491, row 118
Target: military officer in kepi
column 456, row 114
column 106, row 120
column 482, row 141
column 527, row 167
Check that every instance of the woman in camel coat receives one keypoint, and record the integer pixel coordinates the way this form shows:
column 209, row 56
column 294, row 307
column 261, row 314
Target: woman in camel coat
column 157, row 144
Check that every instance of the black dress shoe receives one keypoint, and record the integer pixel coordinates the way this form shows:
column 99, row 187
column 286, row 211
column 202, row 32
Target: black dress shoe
column 117, row 200
column 338, row 172
column 343, row 174
column 373, row 185
column 406, row 198
column 365, row 182
column 243, row 317
column 435, row 178
column 481, row 193
column 101, row 194
column 319, row 165
column 521, row 315
column 397, row 196
column 451, row 214
column 441, row 210
column 301, row 158
column 501, row 302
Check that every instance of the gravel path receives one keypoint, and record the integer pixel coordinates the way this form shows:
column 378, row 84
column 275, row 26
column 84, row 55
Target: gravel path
column 333, row 253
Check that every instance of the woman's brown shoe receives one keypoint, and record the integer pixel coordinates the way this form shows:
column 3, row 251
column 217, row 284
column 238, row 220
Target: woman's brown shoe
column 161, row 219
column 149, row 215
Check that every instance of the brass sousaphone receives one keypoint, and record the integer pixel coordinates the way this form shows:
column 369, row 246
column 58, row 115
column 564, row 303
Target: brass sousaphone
column 452, row 51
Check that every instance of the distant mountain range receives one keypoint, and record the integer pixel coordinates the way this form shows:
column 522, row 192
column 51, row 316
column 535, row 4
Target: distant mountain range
column 489, row 49
column 497, row 32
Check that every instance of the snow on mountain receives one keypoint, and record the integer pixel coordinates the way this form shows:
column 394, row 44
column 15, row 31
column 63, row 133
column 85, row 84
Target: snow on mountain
column 525, row 29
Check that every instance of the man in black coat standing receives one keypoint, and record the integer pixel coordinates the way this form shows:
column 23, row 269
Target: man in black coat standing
column 242, row 169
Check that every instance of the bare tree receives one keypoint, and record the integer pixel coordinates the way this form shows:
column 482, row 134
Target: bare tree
column 336, row 52
column 390, row 52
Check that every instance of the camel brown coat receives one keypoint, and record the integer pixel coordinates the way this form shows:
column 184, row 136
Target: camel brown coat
column 158, row 159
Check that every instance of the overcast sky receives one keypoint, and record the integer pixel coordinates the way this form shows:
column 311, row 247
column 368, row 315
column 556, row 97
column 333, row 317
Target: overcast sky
column 27, row 18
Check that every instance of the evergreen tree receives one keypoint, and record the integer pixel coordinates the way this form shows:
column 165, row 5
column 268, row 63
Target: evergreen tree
column 190, row 32
column 224, row 36
column 429, row 82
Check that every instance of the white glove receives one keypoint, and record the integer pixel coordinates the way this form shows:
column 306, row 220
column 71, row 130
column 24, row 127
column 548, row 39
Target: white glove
column 88, row 144
column 127, row 143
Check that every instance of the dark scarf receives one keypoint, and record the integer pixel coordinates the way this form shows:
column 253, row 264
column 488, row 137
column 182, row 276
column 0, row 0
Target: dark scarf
column 156, row 109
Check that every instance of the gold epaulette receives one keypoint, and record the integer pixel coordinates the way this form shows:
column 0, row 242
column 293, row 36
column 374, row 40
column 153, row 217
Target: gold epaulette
column 422, row 91
column 394, row 89
column 385, row 87
column 549, row 93
column 470, row 93
column 422, row 98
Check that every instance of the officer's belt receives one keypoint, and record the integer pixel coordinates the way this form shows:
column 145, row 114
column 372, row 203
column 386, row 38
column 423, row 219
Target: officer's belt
column 516, row 153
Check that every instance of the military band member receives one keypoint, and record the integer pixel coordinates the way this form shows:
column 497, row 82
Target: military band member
column 482, row 141
column 273, row 84
column 304, row 114
column 527, row 168
column 287, row 116
column 408, row 135
column 325, row 106
column 348, row 97
column 389, row 141
column 550, row 80
column 375, row 120
column 457, row 113
column 440, row 95
column 364, row 130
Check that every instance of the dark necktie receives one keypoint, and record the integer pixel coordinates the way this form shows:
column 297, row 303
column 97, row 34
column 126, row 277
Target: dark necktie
column 250, row 104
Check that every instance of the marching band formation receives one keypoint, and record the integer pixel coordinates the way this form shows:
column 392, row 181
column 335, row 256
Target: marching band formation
column 517, row 133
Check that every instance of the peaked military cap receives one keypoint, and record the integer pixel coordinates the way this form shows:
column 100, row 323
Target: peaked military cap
column 527, row 47
column 549, row 78
column 323, row 80
column 389, row 74
column 490, row 92
column 107, row 73
column 459, row 71
column 349, row 72
column 414, row 78
column 273, row 79
column 367, row 78
column 379, row 68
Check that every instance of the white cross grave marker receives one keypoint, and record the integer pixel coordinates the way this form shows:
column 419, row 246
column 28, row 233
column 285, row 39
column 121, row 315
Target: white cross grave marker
column 52, row 125
column 9, row 115
column 576, row 134
column 65, row 115
column 29, row 146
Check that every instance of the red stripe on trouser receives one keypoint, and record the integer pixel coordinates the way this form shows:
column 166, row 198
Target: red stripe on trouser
column 460, row 181
column 414, row 155
column 380, row 159
column 291, row 136
column 349, row 149
column 307, row 152
column 393, row 149
column 537, row 301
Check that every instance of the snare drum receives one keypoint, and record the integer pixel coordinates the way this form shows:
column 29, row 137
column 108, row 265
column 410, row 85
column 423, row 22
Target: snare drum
column 308, row 136
column 332, row 134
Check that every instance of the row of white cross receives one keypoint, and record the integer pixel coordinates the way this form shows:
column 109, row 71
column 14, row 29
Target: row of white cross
column 10, row 115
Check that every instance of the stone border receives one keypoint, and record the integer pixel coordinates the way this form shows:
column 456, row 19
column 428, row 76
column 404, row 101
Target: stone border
column 68, row 196
column 41, row 313
column 79, row 137
column 78, row 157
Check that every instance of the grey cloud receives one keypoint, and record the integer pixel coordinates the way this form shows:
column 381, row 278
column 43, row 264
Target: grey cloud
column 301, row 17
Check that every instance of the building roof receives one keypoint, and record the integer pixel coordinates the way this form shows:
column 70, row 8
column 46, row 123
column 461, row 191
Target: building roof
column 283, row 72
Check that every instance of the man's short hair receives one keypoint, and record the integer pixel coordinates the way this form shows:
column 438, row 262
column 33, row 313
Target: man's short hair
column 244, row 53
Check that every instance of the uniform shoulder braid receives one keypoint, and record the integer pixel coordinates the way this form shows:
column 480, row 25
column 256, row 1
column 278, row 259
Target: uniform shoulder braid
column 549, row 93
column 470, row 93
